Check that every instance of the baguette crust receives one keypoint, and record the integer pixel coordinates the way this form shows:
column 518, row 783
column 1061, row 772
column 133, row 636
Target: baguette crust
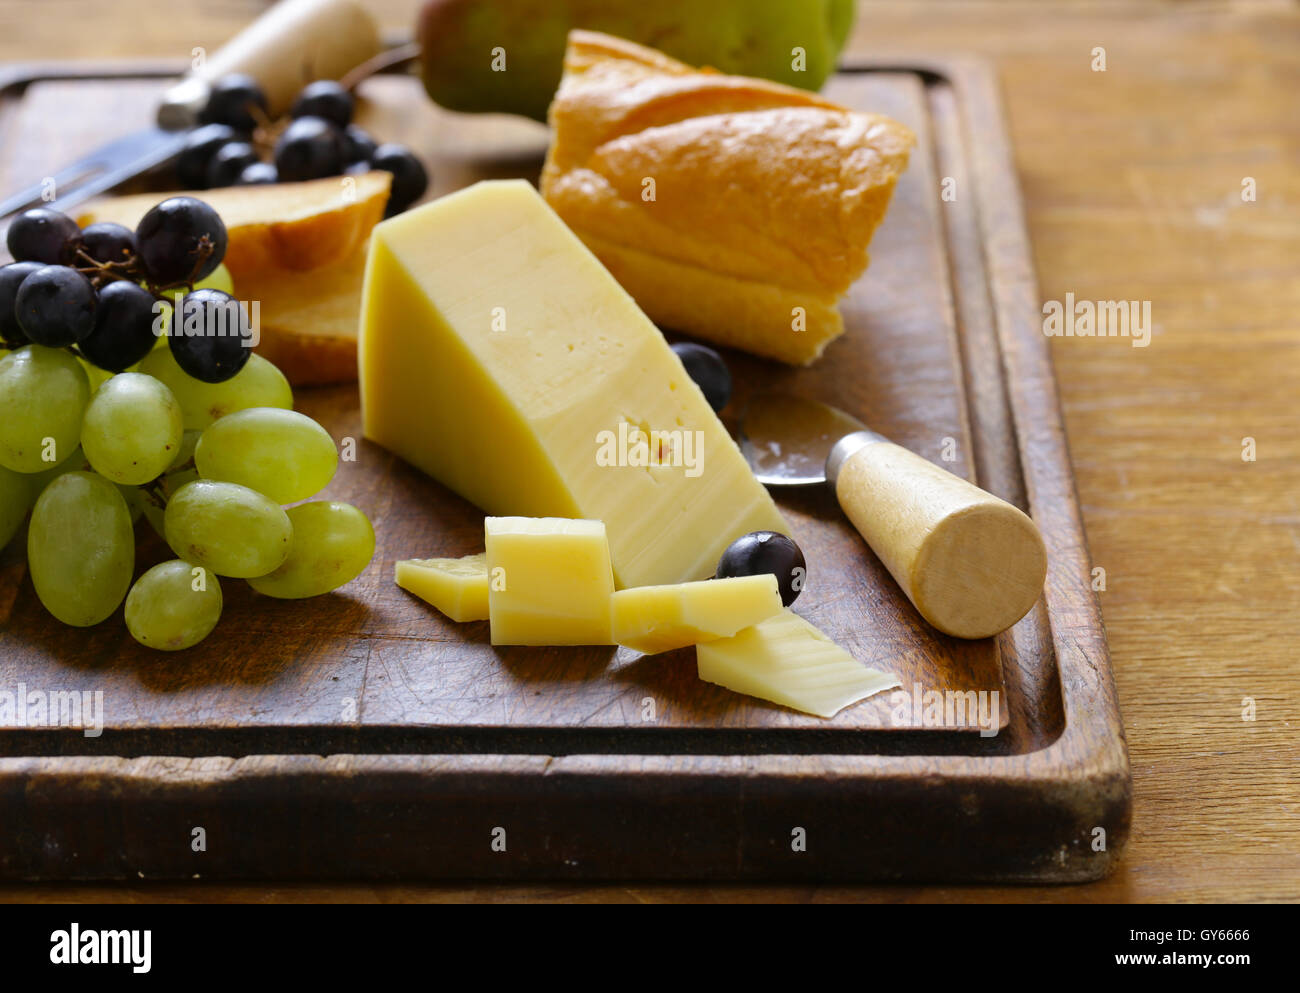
column 756, row 186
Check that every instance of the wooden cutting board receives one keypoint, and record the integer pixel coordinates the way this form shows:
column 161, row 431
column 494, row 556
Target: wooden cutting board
column 363, row 734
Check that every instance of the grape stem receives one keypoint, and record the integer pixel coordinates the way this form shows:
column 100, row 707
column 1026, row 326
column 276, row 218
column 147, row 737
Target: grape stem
column 154, row 491
column 131, row 269
column 403, row 55
column 96, row 270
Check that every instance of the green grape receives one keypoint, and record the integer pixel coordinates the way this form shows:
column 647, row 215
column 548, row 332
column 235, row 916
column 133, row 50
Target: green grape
column 281, row 453
column 136, row 501
column 258, row 384
column 232, row 530
column 174, row 605
column 332, row 543
column 162, row 327
column 17, row 492
column 80, row 548
column 95, row 376
column 180, row 472
column 189, row 442
column 170, row 483
column 218, row 279
column 77, row 462
column 132, row 429
column 43, row 393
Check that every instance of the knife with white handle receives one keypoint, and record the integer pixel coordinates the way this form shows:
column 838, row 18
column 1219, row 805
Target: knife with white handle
column 293, row 43
column 971, row 563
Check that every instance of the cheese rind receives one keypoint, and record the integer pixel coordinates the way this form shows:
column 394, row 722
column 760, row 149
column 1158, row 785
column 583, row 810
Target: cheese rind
column 549, row 581
column 654, row 619
column 788, row 661
column 457, row 587
column 499, row 356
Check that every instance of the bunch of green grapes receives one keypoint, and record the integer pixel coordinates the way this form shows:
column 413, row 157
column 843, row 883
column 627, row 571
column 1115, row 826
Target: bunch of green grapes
column 128, row 388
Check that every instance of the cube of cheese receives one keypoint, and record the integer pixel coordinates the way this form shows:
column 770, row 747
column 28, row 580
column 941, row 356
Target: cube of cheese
column 788, row 661
column 549, row 581
column 457, row 587
column 660, row 618
column 499, row 356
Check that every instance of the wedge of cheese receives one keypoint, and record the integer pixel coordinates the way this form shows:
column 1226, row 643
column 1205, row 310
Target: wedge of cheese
column 499, row 356
column 549, row 581
column 654, row 619
column 457, row 587
column 788, row 661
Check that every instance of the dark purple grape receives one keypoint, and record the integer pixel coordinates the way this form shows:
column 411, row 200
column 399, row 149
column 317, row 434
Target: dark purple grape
column 210, row 337
column 766, row 551
column 169, row 237
column 200, row 145
column 108, row 242
column 409, row 178
column 709, row 371
column 258, row 174
column 358, row 144
column 11, row 277
column 124, row 326
column 55, row 306
column 324, row 98
column 43, row 234
column 232, row 100
column 228, row 162
column 311, row 147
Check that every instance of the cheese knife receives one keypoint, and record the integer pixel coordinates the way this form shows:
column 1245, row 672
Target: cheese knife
column 293, row 43
column 971, row 563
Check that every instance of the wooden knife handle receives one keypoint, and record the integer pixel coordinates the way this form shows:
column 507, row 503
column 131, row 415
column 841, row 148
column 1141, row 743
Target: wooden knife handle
column 293, row 43
column 971, row 564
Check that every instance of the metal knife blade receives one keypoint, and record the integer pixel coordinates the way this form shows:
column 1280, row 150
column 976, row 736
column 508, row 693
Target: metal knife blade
column 786, row 439
column 100, row 171
column 331, row 36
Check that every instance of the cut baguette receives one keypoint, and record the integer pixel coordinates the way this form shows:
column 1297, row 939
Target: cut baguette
column 763, row 201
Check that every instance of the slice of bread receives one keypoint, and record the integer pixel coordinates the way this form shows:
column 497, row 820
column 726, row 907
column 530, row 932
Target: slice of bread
column 308, row 320
column 295, row 226
column 298, row 250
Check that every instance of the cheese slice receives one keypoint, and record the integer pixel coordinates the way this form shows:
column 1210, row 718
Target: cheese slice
column 549, row 581
column 499, row 356
column 788, row 661
column 457, row 587
column 660, row 618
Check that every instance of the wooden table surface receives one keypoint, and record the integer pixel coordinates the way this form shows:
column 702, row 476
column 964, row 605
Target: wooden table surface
column 1133, row 180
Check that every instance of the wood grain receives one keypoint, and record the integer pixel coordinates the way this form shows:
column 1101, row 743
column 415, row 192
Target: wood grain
column 439, row 728
column 1129, row 181
column 303, row 675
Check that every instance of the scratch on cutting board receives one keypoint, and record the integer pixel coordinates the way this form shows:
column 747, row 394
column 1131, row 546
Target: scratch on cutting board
column 365, row 673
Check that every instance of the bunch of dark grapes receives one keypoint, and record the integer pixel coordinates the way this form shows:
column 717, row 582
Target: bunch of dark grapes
column 100, row 290
column 318, row 140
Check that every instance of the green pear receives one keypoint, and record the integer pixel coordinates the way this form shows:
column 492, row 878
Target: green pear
column 506, row 56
